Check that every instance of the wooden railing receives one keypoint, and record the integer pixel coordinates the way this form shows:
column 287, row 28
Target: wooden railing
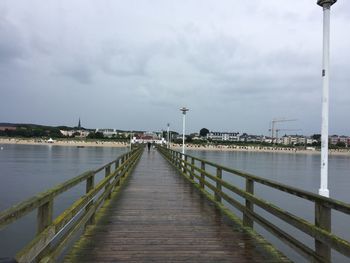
column 54, row 234
column 195, row 170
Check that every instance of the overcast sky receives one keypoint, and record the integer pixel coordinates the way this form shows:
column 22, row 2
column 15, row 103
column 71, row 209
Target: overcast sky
column 133, row 64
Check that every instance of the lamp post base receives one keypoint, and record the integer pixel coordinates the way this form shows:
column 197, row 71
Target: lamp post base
column 323, row 192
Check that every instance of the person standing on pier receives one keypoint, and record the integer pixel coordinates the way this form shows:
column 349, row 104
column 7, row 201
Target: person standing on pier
column 149, row 146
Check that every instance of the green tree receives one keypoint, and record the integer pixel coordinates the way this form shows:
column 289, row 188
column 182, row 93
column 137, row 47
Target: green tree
column 316, row 137
column 203, row 132
column 341, row 144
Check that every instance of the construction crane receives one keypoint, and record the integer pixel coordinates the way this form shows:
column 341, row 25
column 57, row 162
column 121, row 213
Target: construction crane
column 273, row 123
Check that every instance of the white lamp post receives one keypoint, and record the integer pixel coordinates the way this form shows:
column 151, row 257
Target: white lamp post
column 183, row 109
column 326, row 5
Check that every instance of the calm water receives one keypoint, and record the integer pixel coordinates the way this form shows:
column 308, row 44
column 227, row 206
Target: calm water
column 26, row 170
column 298, row 170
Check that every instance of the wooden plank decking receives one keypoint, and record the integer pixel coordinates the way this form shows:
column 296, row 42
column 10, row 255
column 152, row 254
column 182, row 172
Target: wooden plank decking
column 159, row 217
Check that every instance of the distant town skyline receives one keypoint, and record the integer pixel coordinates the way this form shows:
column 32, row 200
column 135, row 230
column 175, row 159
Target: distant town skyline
column 131, row 65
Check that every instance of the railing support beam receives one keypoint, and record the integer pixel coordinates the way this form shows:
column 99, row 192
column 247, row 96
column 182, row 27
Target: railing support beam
column 118, row 173
column 192, row 169
column 249, row 187
column 107, row 172
column 202, row 175
column 90, row 183
column 218, row 184
column 44, row 216
column 324, row 221
column 44, row 219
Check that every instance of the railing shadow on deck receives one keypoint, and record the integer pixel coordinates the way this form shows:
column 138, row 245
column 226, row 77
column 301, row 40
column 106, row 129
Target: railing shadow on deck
column 195, row 170
column 54, row 234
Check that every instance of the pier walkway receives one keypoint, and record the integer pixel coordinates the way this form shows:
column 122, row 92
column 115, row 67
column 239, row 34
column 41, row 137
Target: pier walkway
column 158, row 216
column 165, row 206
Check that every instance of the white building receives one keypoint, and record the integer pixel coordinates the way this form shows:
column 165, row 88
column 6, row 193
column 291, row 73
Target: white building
column 76, row 133
column 107, row 132
column 293, row 140
column 223, row 136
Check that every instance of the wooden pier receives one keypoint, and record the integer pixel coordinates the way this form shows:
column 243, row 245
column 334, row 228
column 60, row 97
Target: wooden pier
column 165, row 206
column 160, row 217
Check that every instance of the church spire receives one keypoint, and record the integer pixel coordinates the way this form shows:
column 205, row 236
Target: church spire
column 79, row 124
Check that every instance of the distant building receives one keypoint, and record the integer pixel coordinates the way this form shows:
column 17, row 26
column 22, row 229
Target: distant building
column 293, row 140
column 334, row 139
column 152, row 137
column 250, row 138
column 75, row 133
column 107, row 132
column 310, row 141
column 343, row 139
column 223, row 136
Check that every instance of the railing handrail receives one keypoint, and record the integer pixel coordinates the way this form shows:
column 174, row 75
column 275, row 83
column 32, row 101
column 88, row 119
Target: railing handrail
column 21, row 209
column 49, row 228
column 320, row 230
column 330, row 202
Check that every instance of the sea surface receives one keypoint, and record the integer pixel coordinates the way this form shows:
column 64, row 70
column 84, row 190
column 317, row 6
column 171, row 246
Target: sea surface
column 26, row 170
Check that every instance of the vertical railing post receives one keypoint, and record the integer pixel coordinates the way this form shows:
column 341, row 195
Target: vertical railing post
column 44, row 219
column 125, row 166
column 124, row 171
column 202, row 175
column 90, row 183
column 323, row 220
column 185, row 165
column 192, row 169
column 249, row 187
column 117, row 174
column 218, row 184
column 177, row 159
column 107, row 172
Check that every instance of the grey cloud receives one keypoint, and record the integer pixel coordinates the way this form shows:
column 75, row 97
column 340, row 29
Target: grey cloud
column 79, row 71
column 11, row 42
column 218, row 60
column 119, row 60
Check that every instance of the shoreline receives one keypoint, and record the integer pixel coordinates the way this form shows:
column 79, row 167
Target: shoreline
column 260, row 149
column 221, row 148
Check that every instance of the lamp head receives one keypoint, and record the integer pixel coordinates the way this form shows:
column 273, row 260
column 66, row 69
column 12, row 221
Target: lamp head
column 184, row 109
column 326, row 2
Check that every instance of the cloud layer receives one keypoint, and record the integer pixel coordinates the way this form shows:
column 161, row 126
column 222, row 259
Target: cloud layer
column 132, row 65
